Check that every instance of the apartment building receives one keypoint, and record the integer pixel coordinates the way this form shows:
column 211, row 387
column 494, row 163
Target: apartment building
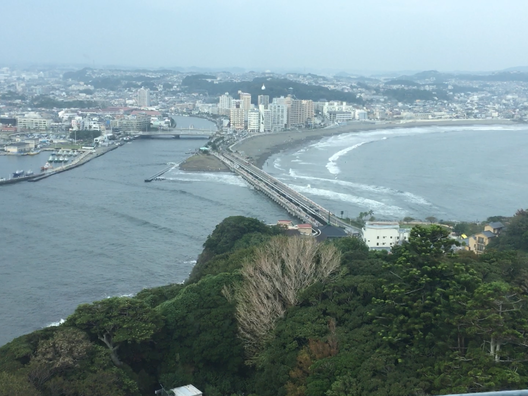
column 383, row 235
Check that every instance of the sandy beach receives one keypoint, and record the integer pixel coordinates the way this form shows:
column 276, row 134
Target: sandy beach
column 260, row 147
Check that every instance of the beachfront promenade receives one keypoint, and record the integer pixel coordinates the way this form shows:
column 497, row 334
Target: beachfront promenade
column 295, row 203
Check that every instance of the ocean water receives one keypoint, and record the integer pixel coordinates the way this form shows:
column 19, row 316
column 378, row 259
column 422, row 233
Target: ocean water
column 99, row 230
column 452, row 173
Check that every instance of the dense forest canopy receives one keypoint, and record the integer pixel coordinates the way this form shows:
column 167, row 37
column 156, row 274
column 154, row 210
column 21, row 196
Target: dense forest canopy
column 338, row 320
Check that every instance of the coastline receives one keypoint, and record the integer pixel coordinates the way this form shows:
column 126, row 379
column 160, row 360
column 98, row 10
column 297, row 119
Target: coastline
column 260, row 147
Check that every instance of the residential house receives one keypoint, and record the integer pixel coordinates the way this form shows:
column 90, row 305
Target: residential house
column 477, row 243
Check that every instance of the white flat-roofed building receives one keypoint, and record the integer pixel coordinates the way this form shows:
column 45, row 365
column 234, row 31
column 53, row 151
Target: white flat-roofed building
column 32, row 121
column 361, row 115
column 383, row 235
column 187, row 390
column 335, row 106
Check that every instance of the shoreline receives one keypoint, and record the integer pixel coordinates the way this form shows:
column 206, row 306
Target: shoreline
column 260, row 147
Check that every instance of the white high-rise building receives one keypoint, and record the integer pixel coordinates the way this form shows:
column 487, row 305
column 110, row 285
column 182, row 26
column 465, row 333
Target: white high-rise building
column 253, row 120
column 236, row 115
column 263, row 100
column 265, row 119
column 245, row 98
column 143, row 97
column 224, row 103
column 279, row 115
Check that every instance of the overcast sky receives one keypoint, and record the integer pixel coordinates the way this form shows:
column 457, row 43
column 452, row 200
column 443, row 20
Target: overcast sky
column 309, row 35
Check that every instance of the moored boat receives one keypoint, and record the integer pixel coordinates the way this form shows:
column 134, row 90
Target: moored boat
column 29, row 173
column 46, row 166
column 18, row 173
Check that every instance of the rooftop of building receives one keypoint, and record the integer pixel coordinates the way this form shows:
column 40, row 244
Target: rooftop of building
column 382, row 224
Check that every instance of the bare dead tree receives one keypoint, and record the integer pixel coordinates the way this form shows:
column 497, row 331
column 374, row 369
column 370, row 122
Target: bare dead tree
column 272, row 282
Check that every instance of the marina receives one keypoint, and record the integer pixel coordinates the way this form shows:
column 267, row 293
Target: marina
column 68, row 159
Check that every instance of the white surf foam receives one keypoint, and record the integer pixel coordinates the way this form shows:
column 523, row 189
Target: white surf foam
column 410, row 197
column 54, row 324
column 277, row 164
column 378, row 207
column 224, row 178
column 332, row 161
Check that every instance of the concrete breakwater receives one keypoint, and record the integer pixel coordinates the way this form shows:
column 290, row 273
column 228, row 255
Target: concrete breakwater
column 85, row 157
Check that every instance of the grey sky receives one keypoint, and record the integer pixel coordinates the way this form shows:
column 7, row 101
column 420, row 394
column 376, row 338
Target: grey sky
column 473, row 35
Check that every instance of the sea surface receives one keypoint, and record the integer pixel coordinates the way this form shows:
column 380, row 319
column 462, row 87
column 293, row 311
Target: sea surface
column 452, row 173
column 99, row 230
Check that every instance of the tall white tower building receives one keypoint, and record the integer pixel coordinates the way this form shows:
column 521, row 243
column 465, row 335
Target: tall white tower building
column 253, row 120
column 224, row 103
column 143, row 97
column 265, row 119
column 279, row 115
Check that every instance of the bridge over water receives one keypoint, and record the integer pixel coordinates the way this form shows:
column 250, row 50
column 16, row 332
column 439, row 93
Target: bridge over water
column 179, row 133
column 295, row 203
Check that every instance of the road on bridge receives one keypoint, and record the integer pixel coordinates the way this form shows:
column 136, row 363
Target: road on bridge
column 307, row 209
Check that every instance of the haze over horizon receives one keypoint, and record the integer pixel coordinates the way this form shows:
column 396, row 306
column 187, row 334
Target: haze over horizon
column 409, row 35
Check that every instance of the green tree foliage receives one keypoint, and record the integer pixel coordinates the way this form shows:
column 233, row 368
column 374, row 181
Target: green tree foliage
column 157, row 295
column 422, row 320
column 203, row 347
column 420, row 285
column 232, row 234
column 230, row 231
column 11, row 95
column 85, row 134
column 412, row 95
column 117, row 320
column 16, row 385
column 46, row 102
column 63, row 352
column 468, row 228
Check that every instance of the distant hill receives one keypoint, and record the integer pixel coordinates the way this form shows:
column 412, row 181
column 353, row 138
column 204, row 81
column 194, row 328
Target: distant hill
column 519, row 74
column 274, row 88
column 523, row 69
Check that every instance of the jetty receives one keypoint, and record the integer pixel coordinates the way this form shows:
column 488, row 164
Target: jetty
column 158, row 174
column 85, row 157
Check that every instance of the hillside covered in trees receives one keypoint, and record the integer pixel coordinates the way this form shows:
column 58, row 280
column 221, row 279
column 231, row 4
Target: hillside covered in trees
column 263, row 314
column 274, row 88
